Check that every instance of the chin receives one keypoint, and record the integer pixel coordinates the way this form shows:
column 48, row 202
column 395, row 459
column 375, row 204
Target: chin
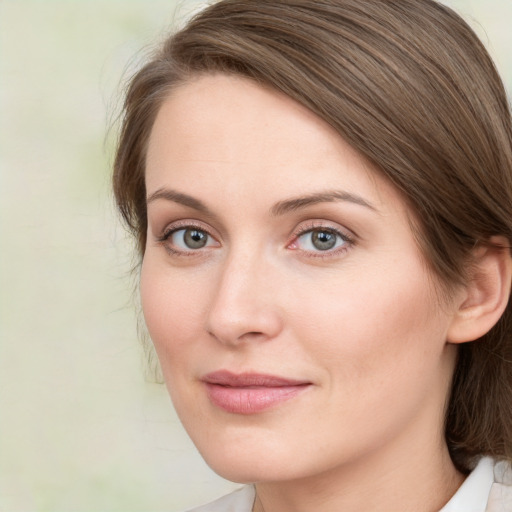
column 247, row 458
column 262, row 458
column 244, row 469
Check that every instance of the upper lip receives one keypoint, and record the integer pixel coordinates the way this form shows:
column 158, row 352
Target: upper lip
column 249, row 379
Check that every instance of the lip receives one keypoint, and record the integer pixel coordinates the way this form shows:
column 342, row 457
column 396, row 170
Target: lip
column 250, row 393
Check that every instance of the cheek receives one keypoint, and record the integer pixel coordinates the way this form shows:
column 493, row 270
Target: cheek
column 174, row 314
column 171, row 311
column 374, row 322
column 379, row 341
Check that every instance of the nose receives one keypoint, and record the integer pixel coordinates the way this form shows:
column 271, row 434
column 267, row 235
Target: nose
column 244, row 307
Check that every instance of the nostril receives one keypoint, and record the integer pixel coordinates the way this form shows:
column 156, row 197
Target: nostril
column 236, row 338
column 237, row 317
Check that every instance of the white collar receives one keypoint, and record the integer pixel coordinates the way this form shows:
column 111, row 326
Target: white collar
column 473, row 494
column 488, row 488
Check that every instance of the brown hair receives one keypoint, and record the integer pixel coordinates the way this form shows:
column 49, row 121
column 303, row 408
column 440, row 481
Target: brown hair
column 409, row 85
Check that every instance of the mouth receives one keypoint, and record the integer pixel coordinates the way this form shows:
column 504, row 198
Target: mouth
column 250, row 393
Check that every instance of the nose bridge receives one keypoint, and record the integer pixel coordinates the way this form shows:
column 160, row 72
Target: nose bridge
column 243, row 306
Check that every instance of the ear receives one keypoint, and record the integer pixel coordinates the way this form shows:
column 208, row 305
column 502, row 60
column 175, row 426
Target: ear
column 485, row 295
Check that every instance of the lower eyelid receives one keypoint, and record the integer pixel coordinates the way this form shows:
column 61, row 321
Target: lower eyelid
column 170, row 229
column 346, row 242
column 165, row 239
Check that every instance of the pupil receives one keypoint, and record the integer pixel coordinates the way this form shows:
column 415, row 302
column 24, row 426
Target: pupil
column 195, row 239
column 323, row 240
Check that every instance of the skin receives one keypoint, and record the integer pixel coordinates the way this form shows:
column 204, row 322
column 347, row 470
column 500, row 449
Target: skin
column 360, row 322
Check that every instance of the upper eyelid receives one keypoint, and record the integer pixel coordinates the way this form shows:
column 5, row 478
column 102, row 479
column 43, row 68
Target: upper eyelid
column 165, row 239
column 187, row 214
column 174, row 226
column 302, row 228
column 318, row 224
column 324, row 227
column 337, row 232
column 348, row 239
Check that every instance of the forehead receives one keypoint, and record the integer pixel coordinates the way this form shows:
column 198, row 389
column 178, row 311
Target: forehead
column 218, row 109
column 251, row 139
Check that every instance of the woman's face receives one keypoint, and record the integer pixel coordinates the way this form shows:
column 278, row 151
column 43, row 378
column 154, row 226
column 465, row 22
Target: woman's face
column 296, row 322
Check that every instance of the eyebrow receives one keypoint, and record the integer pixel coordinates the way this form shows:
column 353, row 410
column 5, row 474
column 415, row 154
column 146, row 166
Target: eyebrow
column 280, row 208
column 329, row 196
column 178, row 197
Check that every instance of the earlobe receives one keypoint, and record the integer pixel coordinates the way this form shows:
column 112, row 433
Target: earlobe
column 486, row 294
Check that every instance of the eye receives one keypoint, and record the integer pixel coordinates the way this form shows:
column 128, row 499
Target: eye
column 320, row 239
column 188, row 239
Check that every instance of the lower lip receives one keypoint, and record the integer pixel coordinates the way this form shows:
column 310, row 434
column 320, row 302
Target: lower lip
column 251, row 400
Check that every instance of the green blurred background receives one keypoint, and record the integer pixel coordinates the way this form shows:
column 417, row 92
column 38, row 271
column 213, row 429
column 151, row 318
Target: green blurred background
column 81, row 427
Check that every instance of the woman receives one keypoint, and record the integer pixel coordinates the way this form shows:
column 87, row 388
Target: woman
column 322, row 198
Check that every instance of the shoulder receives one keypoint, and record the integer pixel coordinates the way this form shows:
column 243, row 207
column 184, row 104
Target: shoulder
column 239, row 501
column 500, row 496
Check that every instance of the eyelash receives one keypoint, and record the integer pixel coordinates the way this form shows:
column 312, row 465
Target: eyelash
column 348, row 239
column 169, row 231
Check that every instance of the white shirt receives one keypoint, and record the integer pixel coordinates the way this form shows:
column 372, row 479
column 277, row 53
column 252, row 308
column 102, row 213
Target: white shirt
column 488, row 488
